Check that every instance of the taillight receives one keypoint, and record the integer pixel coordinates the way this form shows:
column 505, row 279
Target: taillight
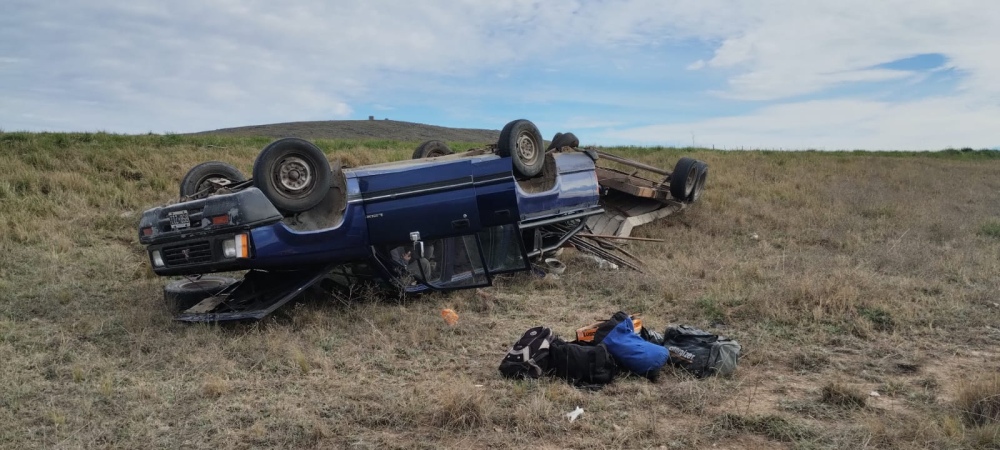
column 148, row 231
column 220, row 220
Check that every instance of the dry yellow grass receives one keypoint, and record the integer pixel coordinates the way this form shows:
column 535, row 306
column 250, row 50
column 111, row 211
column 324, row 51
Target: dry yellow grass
column 877, row 272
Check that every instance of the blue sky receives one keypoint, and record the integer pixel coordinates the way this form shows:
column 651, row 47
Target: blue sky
column 788, row 74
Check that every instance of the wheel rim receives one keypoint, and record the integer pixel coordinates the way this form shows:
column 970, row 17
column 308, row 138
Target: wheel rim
column 698, row 187
column 526, row 148
column 691, row 180
column 293, row 176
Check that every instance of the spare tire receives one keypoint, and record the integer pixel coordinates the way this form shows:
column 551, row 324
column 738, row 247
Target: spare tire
column 522, row 141
column 293, row 173
column 180, row 295
column 683, row 178
column 197, row 183
column 699, row 184
column 431, row 149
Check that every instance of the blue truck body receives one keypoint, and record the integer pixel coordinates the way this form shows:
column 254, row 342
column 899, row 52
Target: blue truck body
column 466, row 205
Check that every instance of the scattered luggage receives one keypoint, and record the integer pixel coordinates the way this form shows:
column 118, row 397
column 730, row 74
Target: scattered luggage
column 711, row 354
column 634, row 353
column 605, row 349
column 583, row 365
column 529, row 357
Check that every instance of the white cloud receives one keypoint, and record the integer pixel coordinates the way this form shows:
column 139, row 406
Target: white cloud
column 788, row 47
column 191, row 65
column 929, row 124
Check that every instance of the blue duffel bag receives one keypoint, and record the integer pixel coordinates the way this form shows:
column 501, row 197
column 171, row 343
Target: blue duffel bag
column 629, row 349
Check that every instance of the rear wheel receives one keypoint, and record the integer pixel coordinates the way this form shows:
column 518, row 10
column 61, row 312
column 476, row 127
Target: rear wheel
column 180, row 295
column 293, row 173
column 203, row 180
column 683, row 178
column 431, row 149
column 522, row 141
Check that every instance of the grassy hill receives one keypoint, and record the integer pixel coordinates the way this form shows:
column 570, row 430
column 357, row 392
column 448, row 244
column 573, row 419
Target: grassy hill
column 840, row 273
column 361, row 129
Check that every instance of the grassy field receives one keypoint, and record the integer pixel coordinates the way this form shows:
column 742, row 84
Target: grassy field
column 840, row 273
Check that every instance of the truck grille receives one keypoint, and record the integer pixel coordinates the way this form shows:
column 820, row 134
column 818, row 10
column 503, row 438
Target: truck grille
column 188, row 253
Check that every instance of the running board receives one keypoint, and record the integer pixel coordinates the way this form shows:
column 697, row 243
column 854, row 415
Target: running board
column 258, row 294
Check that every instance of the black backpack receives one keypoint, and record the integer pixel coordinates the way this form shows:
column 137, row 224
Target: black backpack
column 530, row 356
column 583, row 365
column 704, row 353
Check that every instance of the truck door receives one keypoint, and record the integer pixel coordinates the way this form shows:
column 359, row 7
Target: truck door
column 435, row 198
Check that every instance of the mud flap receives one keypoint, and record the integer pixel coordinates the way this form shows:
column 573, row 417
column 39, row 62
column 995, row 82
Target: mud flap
column 258, row 294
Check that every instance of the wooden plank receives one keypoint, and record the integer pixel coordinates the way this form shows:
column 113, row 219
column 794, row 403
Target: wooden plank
column 630, row 184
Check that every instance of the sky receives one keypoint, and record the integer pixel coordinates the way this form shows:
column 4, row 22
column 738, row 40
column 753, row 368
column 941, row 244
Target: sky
column 755, row 74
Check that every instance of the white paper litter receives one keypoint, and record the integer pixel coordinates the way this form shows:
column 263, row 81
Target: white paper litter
column 572, row 415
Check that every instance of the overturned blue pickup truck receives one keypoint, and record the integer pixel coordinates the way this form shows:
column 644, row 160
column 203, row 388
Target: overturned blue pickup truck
column 439, row 221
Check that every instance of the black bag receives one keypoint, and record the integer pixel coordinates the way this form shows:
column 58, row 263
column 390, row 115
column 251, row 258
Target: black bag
column 705, row 354
column 530, row 356
column 583, row 365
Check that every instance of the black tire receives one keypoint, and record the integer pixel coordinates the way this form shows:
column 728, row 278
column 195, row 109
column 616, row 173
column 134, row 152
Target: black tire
column 293, row 173
column 561, row 140
column 431, row 149
column 683, row 178
column 195, row 183
column 699, row 185
column 521, row 141
column 180, row 295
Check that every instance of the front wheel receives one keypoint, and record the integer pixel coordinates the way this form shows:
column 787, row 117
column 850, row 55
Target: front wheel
column 203, row 180
column 293, row 173
column 522, row 141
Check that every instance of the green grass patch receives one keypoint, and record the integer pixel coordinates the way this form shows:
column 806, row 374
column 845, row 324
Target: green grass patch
column 990, row 229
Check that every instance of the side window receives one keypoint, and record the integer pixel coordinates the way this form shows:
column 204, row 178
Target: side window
column 502, row 249
column 449, row 263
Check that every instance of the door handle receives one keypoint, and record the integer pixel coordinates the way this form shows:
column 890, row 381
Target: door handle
column 460, row 224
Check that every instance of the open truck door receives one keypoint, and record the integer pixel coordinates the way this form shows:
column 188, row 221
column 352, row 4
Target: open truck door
column 452, row 230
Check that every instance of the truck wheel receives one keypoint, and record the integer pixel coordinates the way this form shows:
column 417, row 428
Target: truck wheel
column 293, row 173
column 197, row 183
column 180, row 295
column 430, row 149
column 561, row 140
column 683, row 178
column 699, row 185
column 521, row 140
